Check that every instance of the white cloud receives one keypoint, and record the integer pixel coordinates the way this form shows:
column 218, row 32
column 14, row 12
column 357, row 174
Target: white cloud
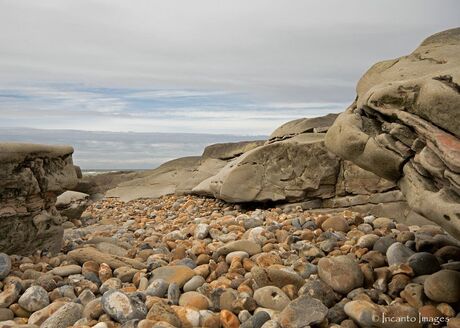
column 240, row 65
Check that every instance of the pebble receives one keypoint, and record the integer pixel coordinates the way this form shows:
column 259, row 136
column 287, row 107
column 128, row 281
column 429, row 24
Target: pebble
column 318, row 289
column 194, row 283
column 367, row 241
column 228, row 319
column 296, row 315
column 5, row 265
column 185, row 261
column 194, row 300
column 247, row 246
column 397, row 253
column 64, row 317
column 336, row 223
column 157, row 288
column 161, row 311
column 201, row 231
column 443, row 286
column 423, row 263
column 6, row 314
column 178, row 274
column 383, row 243
column 10, row 294
column 67, row 270
column 257, row 320
column 271, row 297
column 342, row 273
column 236, row 255
column 173, row 293
column 34, row 298
column 122, row 308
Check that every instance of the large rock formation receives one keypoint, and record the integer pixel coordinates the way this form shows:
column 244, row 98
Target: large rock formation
column 31, row 176
column 181, row 175
column 293, row 167
column 405, row 127
column 289, row 170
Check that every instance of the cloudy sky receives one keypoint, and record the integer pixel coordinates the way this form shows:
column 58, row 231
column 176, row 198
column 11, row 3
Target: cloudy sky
column 227, row 68
column 208, row 66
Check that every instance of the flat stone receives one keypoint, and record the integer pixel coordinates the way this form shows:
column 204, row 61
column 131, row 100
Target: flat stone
column 367, row 241
column 257, row 320
column 201, row 231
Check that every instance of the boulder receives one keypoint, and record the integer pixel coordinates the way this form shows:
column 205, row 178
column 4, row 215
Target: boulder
column 31, row 177
column 405, row 127
column 288, row 170
column 72, row 204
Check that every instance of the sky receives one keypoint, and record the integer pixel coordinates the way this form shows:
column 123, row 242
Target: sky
column 205, row 66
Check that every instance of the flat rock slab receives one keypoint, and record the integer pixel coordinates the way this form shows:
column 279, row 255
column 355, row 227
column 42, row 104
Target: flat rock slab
column 83, row 255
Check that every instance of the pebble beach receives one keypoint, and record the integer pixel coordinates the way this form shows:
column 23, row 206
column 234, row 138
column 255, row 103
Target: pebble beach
column 187, row 261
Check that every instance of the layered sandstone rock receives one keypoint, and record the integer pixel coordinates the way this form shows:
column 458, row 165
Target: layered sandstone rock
column 405, row 127
column 31, row 176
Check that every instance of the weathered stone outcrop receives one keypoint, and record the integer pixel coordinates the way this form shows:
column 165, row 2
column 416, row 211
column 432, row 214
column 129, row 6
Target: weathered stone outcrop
column 181, row 175
column 288, row 170
column 72, row 204
column 294, row 167
column 303, row 125
column 31, row 176
column 158, row 182
column 405, row 127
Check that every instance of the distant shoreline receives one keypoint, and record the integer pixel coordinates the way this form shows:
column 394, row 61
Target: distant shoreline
column 92, row 172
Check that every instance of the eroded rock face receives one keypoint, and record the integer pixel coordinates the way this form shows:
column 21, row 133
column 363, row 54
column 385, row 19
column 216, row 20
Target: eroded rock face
column 31, row 176
column 294, row 166
column 405, row 127
column 292, row 169
column 181, row 175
